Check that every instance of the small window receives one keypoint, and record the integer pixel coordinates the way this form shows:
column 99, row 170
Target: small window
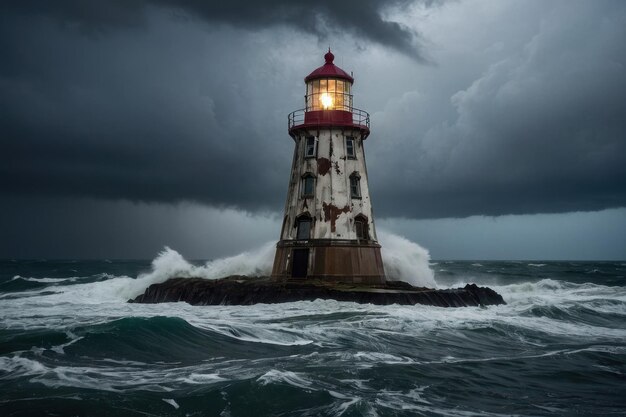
column 360, row 230
column 350, row 151
column 308, row 185
column 310, row 147
column 355, row 185
column 340, row 86
column 304, row 228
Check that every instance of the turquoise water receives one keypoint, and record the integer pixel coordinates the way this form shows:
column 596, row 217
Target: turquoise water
column 71, row 345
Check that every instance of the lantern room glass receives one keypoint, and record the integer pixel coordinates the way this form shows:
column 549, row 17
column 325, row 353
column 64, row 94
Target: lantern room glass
column 328, row 94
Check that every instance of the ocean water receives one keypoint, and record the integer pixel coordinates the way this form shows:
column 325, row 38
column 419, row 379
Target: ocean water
column 71, row 345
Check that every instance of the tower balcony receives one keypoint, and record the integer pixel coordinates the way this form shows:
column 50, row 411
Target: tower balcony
column 317, row 119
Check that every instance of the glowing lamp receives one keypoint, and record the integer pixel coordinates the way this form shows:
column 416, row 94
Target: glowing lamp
column 328, row 87
column 326, row 100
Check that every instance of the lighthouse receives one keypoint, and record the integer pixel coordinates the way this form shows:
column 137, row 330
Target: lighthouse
column 328, row 230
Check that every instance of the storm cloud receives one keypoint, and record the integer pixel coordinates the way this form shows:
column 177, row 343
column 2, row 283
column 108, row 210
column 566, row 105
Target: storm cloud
column 522, row 112
column 541, row 129
column 323, row 18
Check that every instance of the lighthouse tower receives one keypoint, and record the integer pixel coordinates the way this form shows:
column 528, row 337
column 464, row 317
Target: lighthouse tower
column 328, row 230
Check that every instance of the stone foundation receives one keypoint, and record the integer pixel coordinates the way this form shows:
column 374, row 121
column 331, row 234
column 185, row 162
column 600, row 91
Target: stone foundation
column 332, row 260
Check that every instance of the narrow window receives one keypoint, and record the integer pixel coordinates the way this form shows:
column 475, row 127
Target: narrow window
column 314, row 100
column 360, row 233
column 304, row 228
column 308, row 185
column 350, row 152
column 347, row 98
column 339, row 100
column 355, row 185
column 310, row 147
column 361, row 228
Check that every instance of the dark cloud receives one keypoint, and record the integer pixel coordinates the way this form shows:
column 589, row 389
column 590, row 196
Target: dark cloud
column 102, row 115
column 541, row 130
column 113, row 118
column 323, row 18
column 172, row 110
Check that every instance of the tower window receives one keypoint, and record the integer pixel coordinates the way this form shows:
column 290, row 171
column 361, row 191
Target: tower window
column 304, row 228
column 310, row 149
column 361, row 228
column 355, row 185
column 350, row 151
column 308, row 185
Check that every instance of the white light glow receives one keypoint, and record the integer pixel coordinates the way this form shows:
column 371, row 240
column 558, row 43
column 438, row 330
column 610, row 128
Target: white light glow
column 327, row 100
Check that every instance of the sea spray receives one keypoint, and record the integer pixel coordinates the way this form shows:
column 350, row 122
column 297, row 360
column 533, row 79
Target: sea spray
column 169, row 264
column 404, row 261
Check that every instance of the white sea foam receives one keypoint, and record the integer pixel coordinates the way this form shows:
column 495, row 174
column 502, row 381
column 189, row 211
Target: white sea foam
column 60, row 349
column 43, row 280
column 199, row 378
column 344, row 404
column 18, row 366
column 285, row 377
column 103, row 301
column 170, row 263
column 406, row 261
column 171, row 402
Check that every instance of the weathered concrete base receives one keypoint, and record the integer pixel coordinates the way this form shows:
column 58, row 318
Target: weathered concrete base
column 239, row 290
column 351, row 261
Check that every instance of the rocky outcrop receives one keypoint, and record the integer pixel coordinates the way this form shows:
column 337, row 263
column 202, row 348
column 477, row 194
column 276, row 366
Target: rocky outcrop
column 239, row 290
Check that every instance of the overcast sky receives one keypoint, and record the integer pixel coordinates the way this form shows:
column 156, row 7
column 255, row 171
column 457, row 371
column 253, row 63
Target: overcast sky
column 498, row 127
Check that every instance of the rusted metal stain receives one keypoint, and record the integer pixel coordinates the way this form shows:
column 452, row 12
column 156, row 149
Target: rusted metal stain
column 332, row 213
column 337, row 170
column 323, row 166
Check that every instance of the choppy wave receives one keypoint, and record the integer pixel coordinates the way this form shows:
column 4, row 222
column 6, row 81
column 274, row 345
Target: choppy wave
column 403, row 260
column 71, row 345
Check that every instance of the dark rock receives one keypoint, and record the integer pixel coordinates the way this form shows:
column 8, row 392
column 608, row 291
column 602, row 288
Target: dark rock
column 241, row 290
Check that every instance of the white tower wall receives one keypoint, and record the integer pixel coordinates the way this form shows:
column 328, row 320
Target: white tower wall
column 332, row 208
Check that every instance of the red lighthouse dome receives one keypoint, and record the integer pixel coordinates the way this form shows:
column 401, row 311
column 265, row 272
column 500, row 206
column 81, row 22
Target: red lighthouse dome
column 329, row 70
column 328, row 101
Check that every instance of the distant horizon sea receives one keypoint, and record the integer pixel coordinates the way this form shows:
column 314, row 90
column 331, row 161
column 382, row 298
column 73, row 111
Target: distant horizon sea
column 70, row 345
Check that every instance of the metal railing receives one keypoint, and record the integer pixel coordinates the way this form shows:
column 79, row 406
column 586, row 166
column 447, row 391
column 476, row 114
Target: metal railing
column 360, row 118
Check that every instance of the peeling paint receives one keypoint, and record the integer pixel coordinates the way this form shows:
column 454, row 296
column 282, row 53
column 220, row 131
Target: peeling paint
column 337, row 170
column 323, row 166
column 332, row 189
column 332, row 213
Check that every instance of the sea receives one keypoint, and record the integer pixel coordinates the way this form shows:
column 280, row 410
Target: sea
column 71, row 345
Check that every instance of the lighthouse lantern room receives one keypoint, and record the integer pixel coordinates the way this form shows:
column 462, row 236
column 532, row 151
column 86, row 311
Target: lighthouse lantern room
column 328, row 230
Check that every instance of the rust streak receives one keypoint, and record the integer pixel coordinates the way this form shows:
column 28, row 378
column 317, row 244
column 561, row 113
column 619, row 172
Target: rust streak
column 323, row 166
column 332, row 213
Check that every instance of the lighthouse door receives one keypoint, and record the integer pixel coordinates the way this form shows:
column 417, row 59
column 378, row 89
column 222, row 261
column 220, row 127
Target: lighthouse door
column 300, row 263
